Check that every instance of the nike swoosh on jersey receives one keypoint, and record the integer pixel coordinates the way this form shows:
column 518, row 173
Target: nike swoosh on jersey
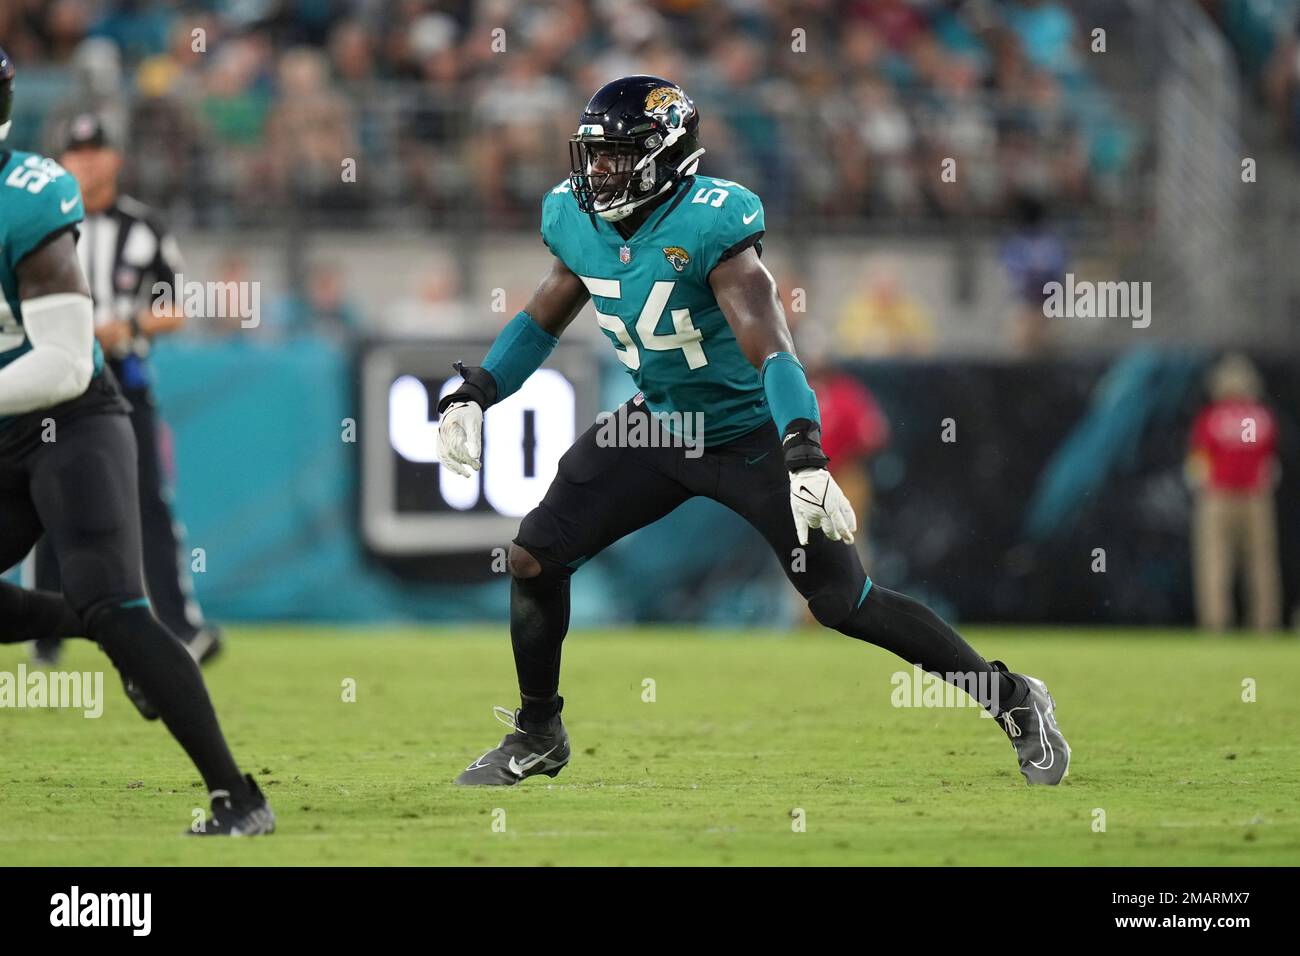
column 66, row 205
column 750, row 218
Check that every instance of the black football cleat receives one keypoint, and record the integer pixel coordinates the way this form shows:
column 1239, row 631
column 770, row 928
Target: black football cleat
column 252, row 816
column 1030, row 724
column 521, row 754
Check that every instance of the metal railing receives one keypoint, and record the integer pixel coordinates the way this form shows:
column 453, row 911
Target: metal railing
column 1199, row 193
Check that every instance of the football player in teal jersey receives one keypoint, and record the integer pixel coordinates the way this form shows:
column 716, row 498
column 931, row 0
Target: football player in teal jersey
column 671, row 261
column 68, row 470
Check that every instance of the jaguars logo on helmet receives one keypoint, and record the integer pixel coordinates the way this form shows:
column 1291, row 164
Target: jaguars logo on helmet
column 636, row 140
column 668, row 104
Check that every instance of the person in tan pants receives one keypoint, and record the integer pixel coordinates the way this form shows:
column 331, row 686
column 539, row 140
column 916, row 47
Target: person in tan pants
column 1233, row 467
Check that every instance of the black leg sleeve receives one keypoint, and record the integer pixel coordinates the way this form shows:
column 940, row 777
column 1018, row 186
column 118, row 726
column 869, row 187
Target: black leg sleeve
column 755, row 484
column 143, row 650
column 915, row 633
column 539, row 619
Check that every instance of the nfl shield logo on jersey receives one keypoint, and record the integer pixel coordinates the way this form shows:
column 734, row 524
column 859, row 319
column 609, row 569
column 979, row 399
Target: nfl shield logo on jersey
column 624, row 254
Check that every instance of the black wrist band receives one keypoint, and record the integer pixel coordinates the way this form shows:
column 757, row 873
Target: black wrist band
column 802, row 445
column 479, row 386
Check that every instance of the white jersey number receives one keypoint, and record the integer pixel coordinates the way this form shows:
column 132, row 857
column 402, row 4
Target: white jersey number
column 685, row 335
column 34, row 174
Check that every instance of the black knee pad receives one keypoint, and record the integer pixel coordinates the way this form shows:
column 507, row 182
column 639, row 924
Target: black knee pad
column 539, row 532
column 552, row 572
column 832, row 606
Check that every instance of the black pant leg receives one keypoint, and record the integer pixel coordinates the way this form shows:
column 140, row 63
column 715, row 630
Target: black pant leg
column 602, row 492
column 48, row 581
column 20, row 527
column 47, row 567
column 753, row 482
column 165, row 576
column 83, row 487
column 26, row 614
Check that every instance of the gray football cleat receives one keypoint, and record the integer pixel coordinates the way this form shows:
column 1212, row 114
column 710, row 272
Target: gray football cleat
column 1031, row 725
column 252, row 816
column 521, row 753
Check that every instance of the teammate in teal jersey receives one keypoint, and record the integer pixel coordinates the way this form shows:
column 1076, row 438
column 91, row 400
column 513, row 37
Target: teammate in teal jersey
column 670, row 260
column 68, row 471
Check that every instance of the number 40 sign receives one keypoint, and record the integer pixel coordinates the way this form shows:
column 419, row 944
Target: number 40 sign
column 523, row 439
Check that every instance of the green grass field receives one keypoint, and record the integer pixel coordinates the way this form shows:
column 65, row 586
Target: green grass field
column 745, row 728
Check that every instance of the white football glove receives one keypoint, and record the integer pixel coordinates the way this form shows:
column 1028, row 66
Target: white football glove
column 817, row 502
column 460, row 438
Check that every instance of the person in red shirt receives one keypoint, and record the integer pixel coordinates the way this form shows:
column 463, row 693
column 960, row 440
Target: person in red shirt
column 853, row 430
column 1233, row 468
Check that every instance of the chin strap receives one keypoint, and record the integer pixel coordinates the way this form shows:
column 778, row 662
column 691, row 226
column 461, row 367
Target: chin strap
column 686, row 167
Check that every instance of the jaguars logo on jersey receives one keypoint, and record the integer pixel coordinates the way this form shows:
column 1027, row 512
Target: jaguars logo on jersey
column 677, row 257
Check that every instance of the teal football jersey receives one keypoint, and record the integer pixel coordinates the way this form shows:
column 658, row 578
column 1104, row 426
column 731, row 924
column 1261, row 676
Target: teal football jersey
column 653, row 300
column 38, row 198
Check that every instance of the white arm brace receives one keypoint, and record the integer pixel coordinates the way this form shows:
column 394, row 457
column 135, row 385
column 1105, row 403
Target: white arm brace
column 61, row 329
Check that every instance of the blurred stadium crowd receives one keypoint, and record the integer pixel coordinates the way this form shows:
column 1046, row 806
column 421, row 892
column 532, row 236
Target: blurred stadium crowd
column 237, row 109
column 1265, row 36
column 239, row 120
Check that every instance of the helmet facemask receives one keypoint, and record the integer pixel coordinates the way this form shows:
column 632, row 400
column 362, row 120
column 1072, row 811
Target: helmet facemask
column 613, row 175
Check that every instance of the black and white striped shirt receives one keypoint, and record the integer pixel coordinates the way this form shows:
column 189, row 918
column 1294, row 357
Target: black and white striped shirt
column 124, row 250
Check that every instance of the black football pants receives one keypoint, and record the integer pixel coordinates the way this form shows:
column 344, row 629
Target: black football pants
column 603, row 492
column 166, row 576
column 79, row 490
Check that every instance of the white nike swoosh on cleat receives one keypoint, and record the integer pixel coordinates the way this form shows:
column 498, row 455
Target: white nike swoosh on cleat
column 1043, row 742
column 529, row 762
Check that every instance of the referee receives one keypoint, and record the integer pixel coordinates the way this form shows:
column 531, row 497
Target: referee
column 123, row 252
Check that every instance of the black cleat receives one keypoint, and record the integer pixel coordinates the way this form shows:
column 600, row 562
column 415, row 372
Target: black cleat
column 521, row 753
column 252, row 816
column 1031, row 725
